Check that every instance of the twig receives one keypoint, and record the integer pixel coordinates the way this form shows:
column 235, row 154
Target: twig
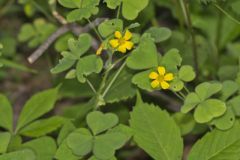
column 62, row 30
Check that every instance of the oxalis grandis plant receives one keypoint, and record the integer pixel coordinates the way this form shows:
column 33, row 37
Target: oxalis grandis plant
column 138, row 91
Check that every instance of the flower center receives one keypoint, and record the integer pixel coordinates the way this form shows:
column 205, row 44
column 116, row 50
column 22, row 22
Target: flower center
column 121, row 41
column 160, row 78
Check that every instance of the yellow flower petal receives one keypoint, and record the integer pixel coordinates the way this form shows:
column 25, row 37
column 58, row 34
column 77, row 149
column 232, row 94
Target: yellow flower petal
column 128, row 45
column 118, row 34
column 128, row 35
column 99, row 51
column 161, row 71
column 153, row 75
column 122, row 49
column 168, row 77
column 114, row 43
column 164, row 85
column 155, row 84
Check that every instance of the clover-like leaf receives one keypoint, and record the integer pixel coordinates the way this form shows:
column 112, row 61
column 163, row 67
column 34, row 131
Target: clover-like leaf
column 63, row 65
column 176, row 85
column 105, row 145
column 82, row 9
column 185, row 122
column 99, row 122
column 225, row 121
column 191, row 101
column 113, row 4
column 209, row 109
column 88, row 65
column 228, row 89
column 81, row 45
column 186, row 73
column 131, row 9
column 171, row 60
column 159, row 34
column 80, row 142
column 145, row 56
column 142, row 80
column 109, row 27
column 206, row 89
column 235, row 104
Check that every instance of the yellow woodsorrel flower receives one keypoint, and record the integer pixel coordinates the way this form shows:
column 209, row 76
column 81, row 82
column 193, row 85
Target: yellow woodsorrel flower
column 161, row 78
column 122, row 43
column 100, row 49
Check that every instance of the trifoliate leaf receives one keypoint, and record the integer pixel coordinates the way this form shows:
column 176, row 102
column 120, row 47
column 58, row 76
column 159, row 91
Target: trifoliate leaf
column 153, row 130
column 109, row 27
column 209, row 109
column 234, row 103
column 65, row 153
column 88, row 65
column 228, row 89
column 113, row 4
column 185, row 122
column 80, row 142
column 99, row 122
column 142, row 80
column 171, row 60
column 176, row 85
column 64, row 64
column 225, row 121
column 159, row 34
column 26, row 154
column 145, row 56
column 187, row 73
column 190, row 102
column 206, row 89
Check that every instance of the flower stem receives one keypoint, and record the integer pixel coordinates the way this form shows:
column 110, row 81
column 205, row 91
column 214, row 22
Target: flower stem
column 179, row 96
column 95, row 30
column 114, row 79
column 91, row 86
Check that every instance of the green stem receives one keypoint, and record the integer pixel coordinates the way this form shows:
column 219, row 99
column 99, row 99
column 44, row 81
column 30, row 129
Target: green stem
column 179, row 96
column 114, row 79
column 186, row 89
column 91, row 86
column 95, row 30
column 187, row 17
column 226, row 13
column 182, row 94
column 119, row 10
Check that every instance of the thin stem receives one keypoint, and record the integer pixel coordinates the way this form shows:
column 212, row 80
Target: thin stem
column 91, row 86
column 119, row 10
column 114, row 79
column 95, row 30
column 186, row 89
column 187, row 16
column 42, row 10
column 226, row 13
column 182, row 94
column 179, row 96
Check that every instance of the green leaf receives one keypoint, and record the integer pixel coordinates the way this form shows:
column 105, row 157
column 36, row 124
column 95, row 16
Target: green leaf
column 64, row 64
column 176, row 85
column 206, row 89
column 224, row 145
column 208, row 110
column 228, row 89
column 69, row 3
column 80, row 142
column 185, row 122
column 159, row 34
column 107, row 28
column 235, row 104
column 226, row 121
column 36, row 106
column 81, row 45
column 153, row 132
column 142, row 80
column 99, row 122
column 84, row 9
column 44, row 148
column 187, row 73
column 171, row 60
column 145, row 56
column 26, row 154
column 6, row 117
column 88, row 65
column 15, row 143
column 191, row 101
column 113, row 4
column 42, row 127
column 106, row 144
column 65, row 153
column 67, row 128
column 5, row 138
column 118, row 90
column 131, row 9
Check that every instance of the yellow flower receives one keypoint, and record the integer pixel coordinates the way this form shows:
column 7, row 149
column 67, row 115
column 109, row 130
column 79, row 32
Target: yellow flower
column 100, row 49
column 161, row 78
column 122, row 43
